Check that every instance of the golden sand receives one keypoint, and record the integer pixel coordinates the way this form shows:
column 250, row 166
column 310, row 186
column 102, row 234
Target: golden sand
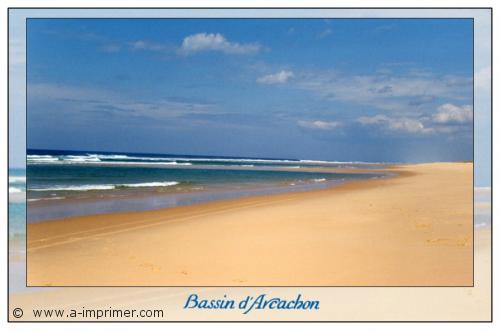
column 414, row 229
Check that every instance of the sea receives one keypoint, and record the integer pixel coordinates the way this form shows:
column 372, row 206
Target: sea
column 67, row 183
column 17, row 203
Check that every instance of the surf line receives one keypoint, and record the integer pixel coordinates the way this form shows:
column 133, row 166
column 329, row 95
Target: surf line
column 250, row 303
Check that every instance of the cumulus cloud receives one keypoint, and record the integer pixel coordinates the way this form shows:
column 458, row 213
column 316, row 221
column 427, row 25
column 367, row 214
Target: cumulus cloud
column 201, row 42
column 404, row 124
column 449, row 113
column 276, row 78
column 319, row 124
column 448, row 118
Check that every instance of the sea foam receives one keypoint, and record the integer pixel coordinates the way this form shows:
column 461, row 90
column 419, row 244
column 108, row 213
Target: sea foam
column 76, row 188
column 89, row 187
column 17, row 179
column 151, row 184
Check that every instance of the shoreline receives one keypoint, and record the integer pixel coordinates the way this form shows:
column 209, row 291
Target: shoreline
column 350, row 234
column 219, row 205
column 91, row 203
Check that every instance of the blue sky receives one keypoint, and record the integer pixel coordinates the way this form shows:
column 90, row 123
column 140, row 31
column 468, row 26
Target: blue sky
column 336, row 89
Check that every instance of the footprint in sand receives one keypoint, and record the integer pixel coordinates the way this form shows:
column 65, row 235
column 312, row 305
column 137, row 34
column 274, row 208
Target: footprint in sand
column 151, row 266
column 239, row 280
column 450, row 242
column 436, row 240
column 464, row 242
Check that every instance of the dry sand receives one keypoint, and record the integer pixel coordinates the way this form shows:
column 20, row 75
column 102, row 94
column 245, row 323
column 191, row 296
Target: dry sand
column 411, row 230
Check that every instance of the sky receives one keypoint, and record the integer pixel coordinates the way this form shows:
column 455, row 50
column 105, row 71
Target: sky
column 396, row 90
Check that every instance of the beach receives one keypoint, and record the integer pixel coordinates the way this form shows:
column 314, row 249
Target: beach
column 411, row 229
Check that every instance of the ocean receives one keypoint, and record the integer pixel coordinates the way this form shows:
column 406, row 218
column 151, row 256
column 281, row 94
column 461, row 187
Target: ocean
column 17, row 203
column 69, row 183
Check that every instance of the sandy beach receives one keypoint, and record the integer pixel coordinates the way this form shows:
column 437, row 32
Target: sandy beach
column 413, row 229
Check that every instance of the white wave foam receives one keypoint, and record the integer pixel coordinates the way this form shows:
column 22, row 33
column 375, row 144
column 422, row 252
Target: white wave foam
column 111, row 158
column 236, row 160
column 17, row 179
column 334, row 162
column 237, row 165
column 90, row 187
column 43, row 199
column 40, row 156
column 101, row 160
column 319, row 180
column 103, row 157
column 80, row 159
column 138, row 159
column 316, row 161
column 86, row 187
column 41, row 159
column 151, row 184
column 17, row 196
column 145, row 163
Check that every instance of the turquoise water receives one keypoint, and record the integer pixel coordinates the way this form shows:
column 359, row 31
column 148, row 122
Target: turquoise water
column 17, row 203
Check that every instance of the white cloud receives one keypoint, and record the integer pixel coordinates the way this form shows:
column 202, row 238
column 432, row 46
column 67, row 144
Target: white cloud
column 449, row 113
column 482, row 78
column 216, row 42
column 147, row 45
column 409, row 125
column 318, row 124
column 375, row 120
column 382, row 91
column 276, row 78
column 447, row 119
column 404, row 124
